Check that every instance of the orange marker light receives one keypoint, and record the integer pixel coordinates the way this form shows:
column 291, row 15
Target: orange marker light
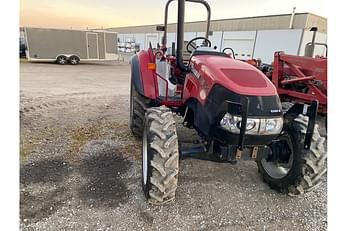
column 151, row 66
column 252, row 62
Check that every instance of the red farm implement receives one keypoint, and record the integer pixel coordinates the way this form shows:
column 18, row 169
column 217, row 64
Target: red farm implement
column 300, row 78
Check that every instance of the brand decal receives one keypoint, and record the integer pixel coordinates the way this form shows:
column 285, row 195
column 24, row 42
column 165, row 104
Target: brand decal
column 275, row 110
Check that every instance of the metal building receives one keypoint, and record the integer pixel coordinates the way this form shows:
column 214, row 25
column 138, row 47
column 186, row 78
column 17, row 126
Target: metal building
column 251, row 37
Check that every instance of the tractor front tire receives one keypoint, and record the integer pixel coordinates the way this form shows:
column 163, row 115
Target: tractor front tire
column 138, row 107
column 308, row 166
column 160, row 156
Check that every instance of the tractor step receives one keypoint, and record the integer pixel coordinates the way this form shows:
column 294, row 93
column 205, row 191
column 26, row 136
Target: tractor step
column 192, row 151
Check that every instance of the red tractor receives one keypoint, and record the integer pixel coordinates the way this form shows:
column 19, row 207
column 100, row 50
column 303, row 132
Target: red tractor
column 231, row 104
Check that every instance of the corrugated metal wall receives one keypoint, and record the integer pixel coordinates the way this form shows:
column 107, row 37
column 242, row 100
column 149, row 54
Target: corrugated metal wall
column 271, row 22
column 255, row 37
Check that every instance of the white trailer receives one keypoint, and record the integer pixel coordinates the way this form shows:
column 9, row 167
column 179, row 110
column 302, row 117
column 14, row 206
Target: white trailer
column 70, row 46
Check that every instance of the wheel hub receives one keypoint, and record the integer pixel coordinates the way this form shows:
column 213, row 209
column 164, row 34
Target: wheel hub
column 280, row 159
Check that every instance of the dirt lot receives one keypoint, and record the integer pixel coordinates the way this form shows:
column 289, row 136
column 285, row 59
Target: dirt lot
column 81, row 170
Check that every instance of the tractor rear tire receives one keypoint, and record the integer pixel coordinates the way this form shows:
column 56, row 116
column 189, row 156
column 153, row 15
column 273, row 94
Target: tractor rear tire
column 308, row 165
column 138, row 107
column 160, row 156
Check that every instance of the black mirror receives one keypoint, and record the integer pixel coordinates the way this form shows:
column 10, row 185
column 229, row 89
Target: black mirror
column 160, row 28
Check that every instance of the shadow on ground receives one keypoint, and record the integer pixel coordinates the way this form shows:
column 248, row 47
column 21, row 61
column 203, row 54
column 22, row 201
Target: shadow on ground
column 103, row 168
column 42, row 193
column 49, row 170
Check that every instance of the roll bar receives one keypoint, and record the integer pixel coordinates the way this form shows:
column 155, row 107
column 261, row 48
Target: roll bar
column 208, row 8
column 180, row 28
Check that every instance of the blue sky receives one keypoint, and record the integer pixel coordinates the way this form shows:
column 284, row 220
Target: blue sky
column 109, row 13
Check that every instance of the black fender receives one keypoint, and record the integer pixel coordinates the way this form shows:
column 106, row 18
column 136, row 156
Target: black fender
column 136, row 74
column 202, row 120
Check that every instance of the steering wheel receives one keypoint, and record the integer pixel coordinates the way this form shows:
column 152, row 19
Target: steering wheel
column 229, row 48
column 206, row 42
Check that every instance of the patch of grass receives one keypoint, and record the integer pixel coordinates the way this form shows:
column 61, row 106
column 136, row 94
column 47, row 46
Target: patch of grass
column 29, row 140
column 129, row 145
column 81, row 136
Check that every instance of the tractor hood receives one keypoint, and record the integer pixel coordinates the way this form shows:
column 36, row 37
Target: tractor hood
column 237, row 76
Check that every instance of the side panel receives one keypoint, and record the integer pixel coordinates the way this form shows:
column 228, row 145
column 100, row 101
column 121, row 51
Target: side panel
column 269, row 41
column 93, row 46
column 111, row 48
column 191, row 88
column 101, row 44
column 48, row 43
column 111, row 43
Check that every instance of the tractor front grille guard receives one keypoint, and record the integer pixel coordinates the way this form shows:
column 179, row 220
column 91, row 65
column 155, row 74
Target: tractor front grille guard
column 243, row 108
column 299, row 108
column 309, row 111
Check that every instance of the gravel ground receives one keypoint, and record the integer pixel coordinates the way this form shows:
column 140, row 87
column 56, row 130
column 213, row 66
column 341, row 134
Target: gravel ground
column 80, row 167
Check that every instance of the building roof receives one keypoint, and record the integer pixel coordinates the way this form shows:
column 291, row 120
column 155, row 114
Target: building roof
column 269, row 22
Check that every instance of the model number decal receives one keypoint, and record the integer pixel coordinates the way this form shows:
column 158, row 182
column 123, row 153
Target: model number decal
column 275, row 110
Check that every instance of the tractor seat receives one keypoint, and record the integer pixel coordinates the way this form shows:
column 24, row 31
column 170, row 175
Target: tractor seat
column 208, row 51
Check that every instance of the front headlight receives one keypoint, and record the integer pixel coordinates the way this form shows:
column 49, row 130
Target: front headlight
column 254, row 126
column 271, row 126
column 233, row 124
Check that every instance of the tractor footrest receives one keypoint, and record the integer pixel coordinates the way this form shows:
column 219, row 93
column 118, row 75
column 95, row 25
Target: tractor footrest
column 170, row 98
column 192, row 151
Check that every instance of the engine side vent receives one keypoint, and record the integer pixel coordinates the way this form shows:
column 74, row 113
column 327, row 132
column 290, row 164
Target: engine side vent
column 190, row 85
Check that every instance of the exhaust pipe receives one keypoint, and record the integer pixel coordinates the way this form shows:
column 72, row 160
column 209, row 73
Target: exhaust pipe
column 309, row 48
column 292, row 18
